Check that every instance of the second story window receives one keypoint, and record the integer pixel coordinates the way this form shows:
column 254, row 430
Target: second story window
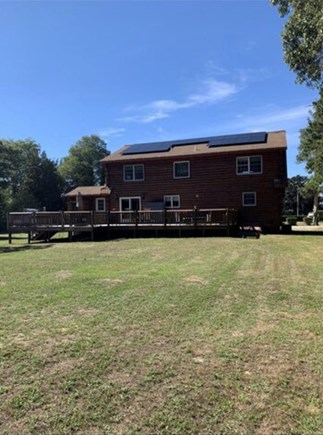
column 182, row 169
column 133, row 172
column 249, row 165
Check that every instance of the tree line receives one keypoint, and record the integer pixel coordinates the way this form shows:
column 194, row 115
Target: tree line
column 30, row 179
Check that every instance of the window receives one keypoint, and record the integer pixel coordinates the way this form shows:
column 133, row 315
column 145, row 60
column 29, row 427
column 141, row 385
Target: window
column 171, row 201
column 100, row 204
column 249, row 199
column 181, row 169
column 249, row 165
column 133, row 172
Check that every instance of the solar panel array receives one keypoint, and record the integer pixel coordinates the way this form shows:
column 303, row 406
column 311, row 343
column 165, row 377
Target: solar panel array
column 215, row 141
column 239, row 139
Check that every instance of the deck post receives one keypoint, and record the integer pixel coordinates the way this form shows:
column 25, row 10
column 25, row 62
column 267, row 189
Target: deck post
column 62, row 219
column 29, row 237
column 8, row 229
column 227, row 222
column 165, row 217
column 195, row 217
column 92, row 225
column 136, row 218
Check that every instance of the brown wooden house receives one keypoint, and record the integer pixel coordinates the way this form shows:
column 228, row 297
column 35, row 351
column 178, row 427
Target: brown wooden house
column 88, row 198
column 246, row 172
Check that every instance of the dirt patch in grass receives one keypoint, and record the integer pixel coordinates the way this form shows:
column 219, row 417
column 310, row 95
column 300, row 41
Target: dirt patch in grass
column 87, row 311
column 194, row 279
column 63, row 274
column 63, row 366
column 111, row 281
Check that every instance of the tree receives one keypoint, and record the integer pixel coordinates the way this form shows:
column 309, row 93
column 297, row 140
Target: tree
column 82, row 166
column 50, row 184
column 4, row 165
column 28, row 178
column 303, row 39
column 311, row 152
column 294, row 201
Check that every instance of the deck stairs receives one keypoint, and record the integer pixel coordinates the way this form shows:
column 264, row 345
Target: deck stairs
column 42, row 235
column 250, row 230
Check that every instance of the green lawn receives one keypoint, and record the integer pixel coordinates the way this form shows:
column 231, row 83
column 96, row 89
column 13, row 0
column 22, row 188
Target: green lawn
column 162, row 336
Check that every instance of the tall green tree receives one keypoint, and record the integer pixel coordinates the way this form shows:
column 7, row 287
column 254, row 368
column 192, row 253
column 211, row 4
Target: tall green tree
column 28, row 178
column 294, row 200
column 303, row 52
column 303, row 39
column 311, row 152
column 82, row 166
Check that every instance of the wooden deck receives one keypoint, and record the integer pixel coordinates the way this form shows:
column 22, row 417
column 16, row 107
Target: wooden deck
column 43, row 225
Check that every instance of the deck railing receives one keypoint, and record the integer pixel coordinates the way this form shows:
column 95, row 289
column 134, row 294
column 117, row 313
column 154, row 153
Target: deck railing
column 64, row 219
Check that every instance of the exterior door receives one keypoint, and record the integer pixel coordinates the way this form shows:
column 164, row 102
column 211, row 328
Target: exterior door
column 129, row 204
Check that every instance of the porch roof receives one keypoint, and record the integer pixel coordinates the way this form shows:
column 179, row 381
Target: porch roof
column 89, row 191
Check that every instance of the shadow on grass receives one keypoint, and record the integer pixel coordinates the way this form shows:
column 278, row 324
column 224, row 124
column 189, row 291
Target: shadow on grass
column 9, row 249
column 306, row 233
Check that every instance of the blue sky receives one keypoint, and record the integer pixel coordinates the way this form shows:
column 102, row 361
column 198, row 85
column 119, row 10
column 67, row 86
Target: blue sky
column 140, row 71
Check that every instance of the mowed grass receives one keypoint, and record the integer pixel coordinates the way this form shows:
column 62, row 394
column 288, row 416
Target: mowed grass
column 162, row 336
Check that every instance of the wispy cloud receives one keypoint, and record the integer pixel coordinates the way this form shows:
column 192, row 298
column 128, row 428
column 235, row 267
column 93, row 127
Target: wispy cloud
column 112, row 131
column 252, row 75
column 273, row 118
column 210, row 92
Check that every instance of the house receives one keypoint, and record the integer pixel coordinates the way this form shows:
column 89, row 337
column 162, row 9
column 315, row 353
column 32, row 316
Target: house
column 246, row 172
column 88, row 198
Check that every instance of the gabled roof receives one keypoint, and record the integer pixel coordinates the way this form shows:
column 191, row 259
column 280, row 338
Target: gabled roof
column 89, row 191
column 207, row 145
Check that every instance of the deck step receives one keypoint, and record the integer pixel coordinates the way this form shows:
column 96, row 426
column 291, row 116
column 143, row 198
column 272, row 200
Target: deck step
column 250, row 230
column 42, row 235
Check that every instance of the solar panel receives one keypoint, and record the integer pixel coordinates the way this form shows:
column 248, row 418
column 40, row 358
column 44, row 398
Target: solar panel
column 155, row 147
column 238, row 139
column 142, row 148
column 215, row 141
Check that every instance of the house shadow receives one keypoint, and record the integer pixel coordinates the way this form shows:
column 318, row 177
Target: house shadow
column 307, row 233
column 20, row 248
column 307, row 230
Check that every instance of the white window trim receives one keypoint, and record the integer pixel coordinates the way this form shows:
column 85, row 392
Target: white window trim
column 172, row 200
column 189, row 169
column 133, row 173
column 97, row 200
column 248, row 172
column 243, row 199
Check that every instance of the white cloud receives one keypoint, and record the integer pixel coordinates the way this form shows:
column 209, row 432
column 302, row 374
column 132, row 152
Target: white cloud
column 252, row 75
column 211, row 92
column 274, row 118
column 112, row 131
